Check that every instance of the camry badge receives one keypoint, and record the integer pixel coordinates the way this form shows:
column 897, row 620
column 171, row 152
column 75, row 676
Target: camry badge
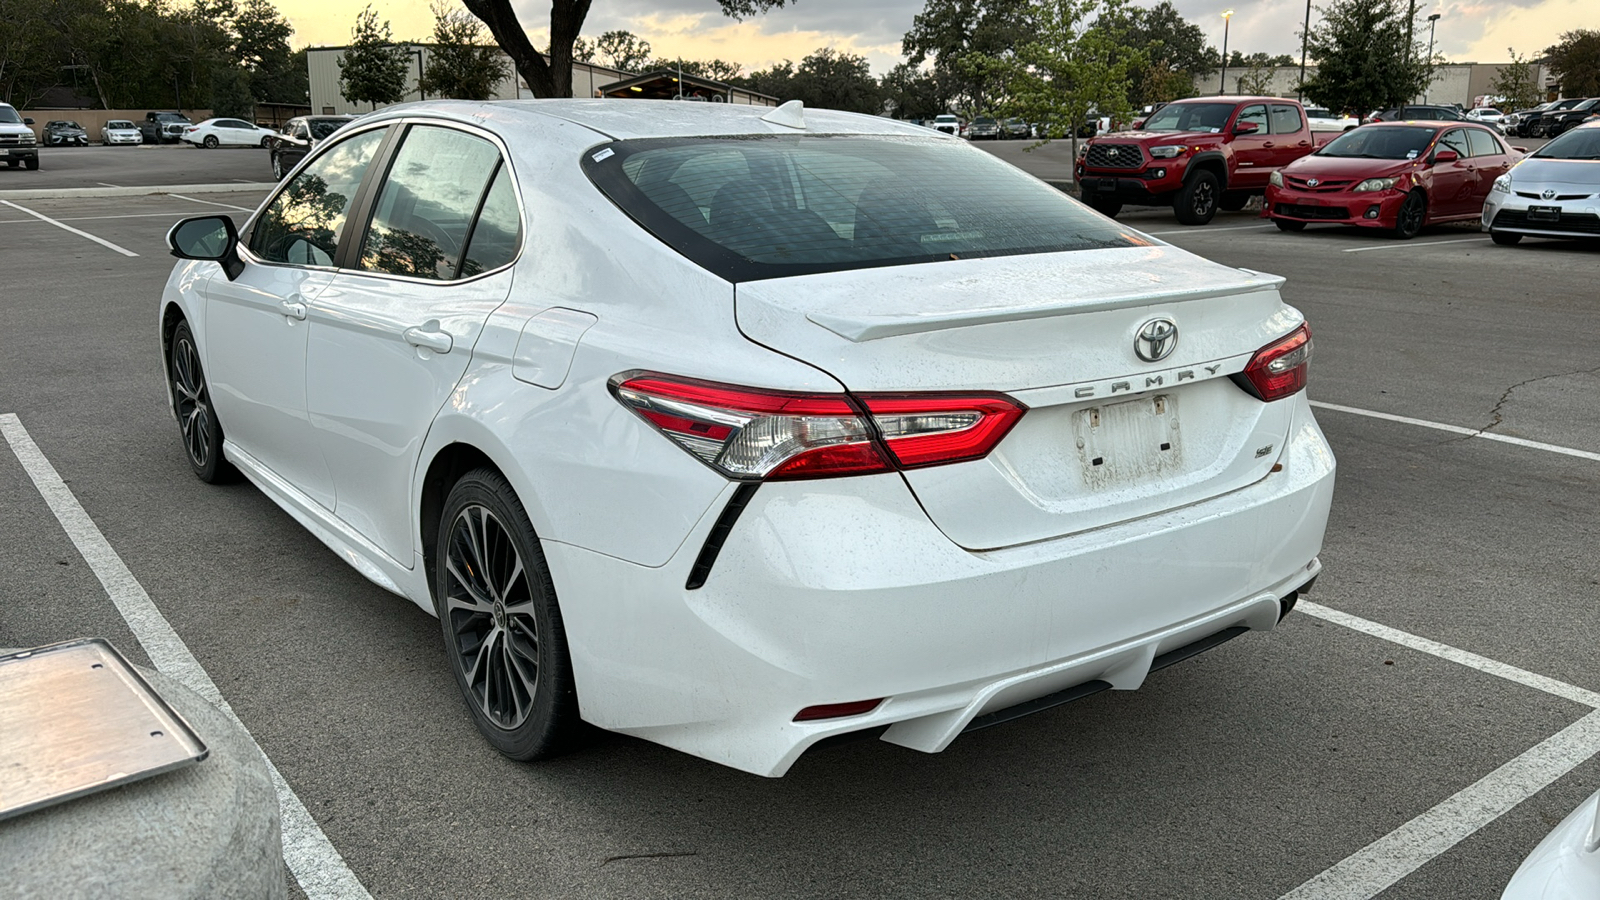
column 1312, row 182
column 1157, row 339
column 1548, row 194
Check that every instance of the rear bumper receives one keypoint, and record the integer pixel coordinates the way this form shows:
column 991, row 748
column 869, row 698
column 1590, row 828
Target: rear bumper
column 843, row 590
column 1369, row 209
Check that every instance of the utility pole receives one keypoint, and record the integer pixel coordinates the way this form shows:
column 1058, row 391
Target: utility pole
column 1227, row 18
column 1305, row 36
column 1427, row 92
column 1411, row 18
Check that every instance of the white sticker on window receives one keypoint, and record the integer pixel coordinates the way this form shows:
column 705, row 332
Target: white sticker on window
column 605, row 154
column 1412, row 154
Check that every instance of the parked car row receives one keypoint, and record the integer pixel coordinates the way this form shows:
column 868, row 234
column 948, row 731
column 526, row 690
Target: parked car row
column 300, row 136
column 1548, row 120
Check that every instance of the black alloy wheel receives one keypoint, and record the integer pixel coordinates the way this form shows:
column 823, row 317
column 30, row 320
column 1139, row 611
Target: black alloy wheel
column 191, row 403
column 1413, row 213
column 1196, row 203
column 502, row 627
column 277, row 167
column 1289, row 225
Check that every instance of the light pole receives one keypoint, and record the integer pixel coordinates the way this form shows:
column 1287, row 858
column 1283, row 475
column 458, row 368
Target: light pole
column 1433, row 21
column 1227, row 18
column 1305, row 36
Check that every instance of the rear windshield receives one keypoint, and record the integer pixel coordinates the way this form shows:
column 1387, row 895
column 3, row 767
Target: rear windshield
column 1386, row 142
column 748, row 208
column 1207, row 117
column 1582, row 143
column 321, row 128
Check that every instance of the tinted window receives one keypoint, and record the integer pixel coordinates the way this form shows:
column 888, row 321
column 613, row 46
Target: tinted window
column 1256, row 114
column 1482, row 143
column 1455, row 139
column 497, row 233
column 1381, row 142
column 420, row 223
column 321, row 128
column 1209, row 117
column 1285, row 119
column 766, row 207
column 304, row 222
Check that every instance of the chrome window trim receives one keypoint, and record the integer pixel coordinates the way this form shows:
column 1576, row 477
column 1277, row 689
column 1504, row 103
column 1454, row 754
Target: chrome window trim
column 404, row 121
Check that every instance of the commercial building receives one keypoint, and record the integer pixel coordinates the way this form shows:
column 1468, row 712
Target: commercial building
column 588, row 80
column 1461, row 83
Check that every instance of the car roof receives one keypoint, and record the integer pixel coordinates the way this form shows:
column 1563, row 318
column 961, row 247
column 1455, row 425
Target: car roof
column 1234, row 98
column 629, row 119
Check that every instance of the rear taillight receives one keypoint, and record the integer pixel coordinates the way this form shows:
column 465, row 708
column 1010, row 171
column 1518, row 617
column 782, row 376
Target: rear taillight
column 750, row 433
column 1280, row 368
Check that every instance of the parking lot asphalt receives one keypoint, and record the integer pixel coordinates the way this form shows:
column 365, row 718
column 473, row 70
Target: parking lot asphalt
column 139, row 166
column 1243, row 773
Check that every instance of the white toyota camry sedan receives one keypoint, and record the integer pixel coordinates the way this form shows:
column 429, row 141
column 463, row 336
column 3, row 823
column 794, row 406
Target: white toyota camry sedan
column 735, row 428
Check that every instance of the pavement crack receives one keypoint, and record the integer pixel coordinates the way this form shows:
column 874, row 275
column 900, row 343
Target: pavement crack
column 665, row 854
column 1496, row 417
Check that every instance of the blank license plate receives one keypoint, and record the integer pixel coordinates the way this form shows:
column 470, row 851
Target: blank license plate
column 1108, row 184
column 1544, row 213
column 1128, row 442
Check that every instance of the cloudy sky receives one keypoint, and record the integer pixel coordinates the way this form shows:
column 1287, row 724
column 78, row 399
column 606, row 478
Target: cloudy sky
column 1468, row 30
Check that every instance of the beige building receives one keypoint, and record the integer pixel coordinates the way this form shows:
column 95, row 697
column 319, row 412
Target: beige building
column 1461, row 83
column 587, row 80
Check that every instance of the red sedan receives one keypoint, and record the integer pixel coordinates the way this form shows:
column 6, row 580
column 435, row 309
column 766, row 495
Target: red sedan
column 1398, row 176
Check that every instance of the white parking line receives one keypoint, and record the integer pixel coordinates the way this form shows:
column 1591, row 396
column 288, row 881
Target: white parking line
column 107, row 184
column 169, row 215
column 1207, row 230
column 1404, row 245
column 316, row 864
column 212, row 203
column 1457, row 429
column 98, row 240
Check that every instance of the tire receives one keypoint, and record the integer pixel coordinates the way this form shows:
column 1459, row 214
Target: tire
column 498, row 613
column 1413, row 213
column 210, row 142
column 1233, row 201
column 14, row 164
column 1289, row 225
column 1196, row 203
column 1505, row 238
column 277, row 167
column 191, row 403
column 1105, row 206
column 31, row 164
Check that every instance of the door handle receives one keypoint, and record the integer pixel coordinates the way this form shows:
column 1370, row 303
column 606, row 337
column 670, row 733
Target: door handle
column 434, row 340
column 294, row 309
column 1268, row 144
column 1305, row 143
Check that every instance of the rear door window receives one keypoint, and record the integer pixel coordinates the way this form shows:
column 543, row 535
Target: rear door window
column 1285, row 119
column 1482, row 143
column 427, row 203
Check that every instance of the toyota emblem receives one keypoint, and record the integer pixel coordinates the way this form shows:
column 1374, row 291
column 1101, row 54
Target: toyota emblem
column 1112, row 153
column 1157, row 339
column 1548, row 194
column 1312, row 182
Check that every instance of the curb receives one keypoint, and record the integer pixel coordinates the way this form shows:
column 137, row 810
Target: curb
column 137, row 191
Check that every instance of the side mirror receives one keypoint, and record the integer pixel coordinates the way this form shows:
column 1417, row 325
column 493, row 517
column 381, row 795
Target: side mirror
column 208, row 238
column 27, row 121
column 1444, row 156
column 1245, row 128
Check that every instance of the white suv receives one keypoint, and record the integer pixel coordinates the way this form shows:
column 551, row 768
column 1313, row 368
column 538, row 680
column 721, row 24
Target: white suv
column 19, row 146
column 708, row 424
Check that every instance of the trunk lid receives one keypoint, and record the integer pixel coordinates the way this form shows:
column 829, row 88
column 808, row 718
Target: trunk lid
column 1108, row 437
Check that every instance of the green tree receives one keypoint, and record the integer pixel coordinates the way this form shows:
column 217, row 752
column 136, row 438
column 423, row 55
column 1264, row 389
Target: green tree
column 1575, row 60
column 714, row 69
column 230, row 93
column 1517, row 83
column 373, row 69
column 1070, row 68
column 1256, row 79
column 623, row 50
column 460, row 64
column 833, row 79
column 1364, row 59
column 912, row 92
column 777, row 81
column 553, row 77
column 262, row 47
column 1175, row 50
column 969, row 42
column 28, row 54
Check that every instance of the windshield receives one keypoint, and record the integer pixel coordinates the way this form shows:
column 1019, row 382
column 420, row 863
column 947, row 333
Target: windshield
column 72, row 125
column 321, row 128
column 1400, row 142
column 767, row 207
column 945, row 119
column 1209, row 117
column 1583, row 143
column 119, row 124
column 8, row 116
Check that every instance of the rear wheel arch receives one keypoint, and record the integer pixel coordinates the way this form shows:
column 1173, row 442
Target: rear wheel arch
column 444, row 470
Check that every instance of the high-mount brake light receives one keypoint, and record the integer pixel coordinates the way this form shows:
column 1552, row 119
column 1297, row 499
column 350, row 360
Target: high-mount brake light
column 752, row 433
column 1279, row 369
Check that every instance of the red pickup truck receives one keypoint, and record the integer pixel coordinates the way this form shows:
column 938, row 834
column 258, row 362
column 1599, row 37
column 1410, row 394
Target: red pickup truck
column 1196, row 155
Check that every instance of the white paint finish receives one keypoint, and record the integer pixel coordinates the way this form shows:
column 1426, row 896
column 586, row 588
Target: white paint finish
column 44, row 218
column 255, row 363
column 371, row 393
column 547, row 344
column 1413, row 245
column 240, row 133
column 316, row 864
column 1444, row 651
column 1372, row 869
column 1457, row 429
column 213, row 203
column 1566, row 864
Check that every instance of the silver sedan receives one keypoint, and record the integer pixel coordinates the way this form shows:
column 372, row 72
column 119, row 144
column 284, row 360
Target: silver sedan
column 1554, row 192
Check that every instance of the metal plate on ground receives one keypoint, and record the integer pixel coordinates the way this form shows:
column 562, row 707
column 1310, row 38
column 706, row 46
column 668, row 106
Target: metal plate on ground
column 75, row 719
column 1128, row 443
